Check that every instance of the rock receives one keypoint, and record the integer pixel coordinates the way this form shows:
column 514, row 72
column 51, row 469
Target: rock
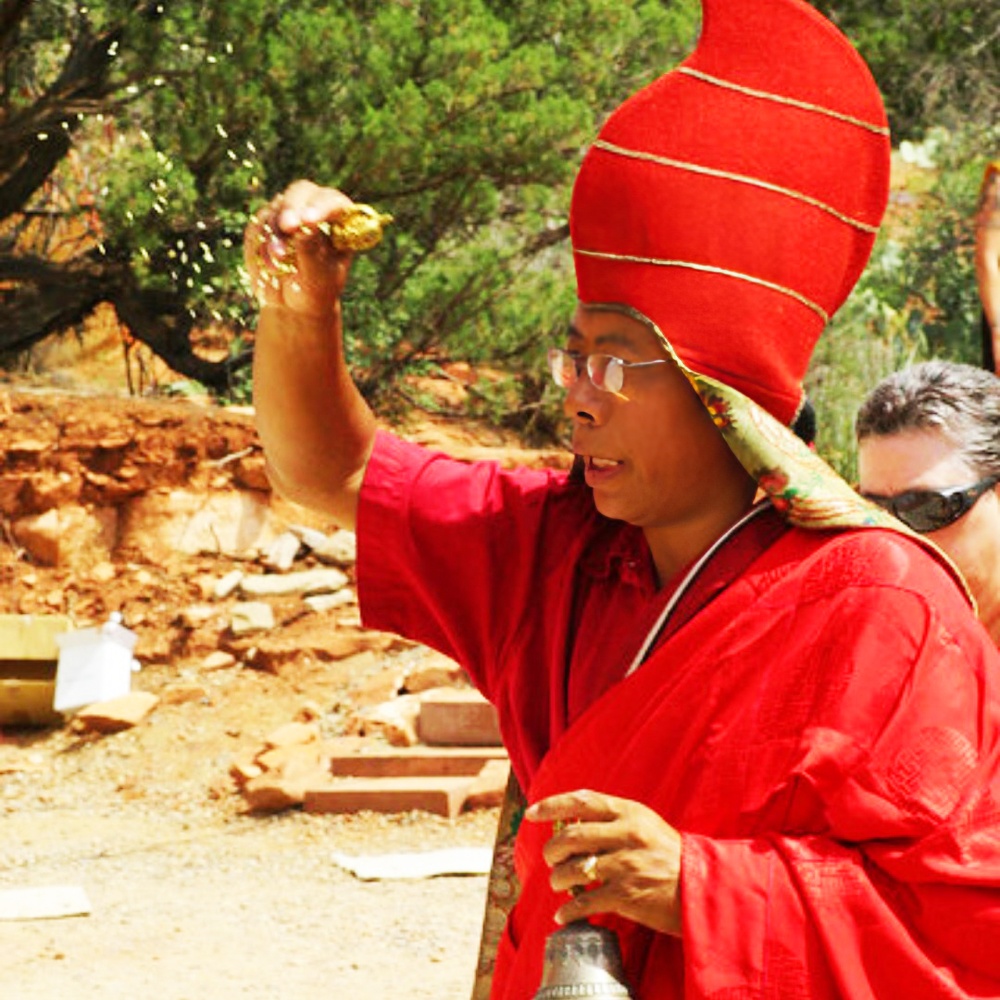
column 251, row 616
column 103, row 572
column 162, row 523
column 117, row 714
column 70, row 537
column 394, row 720
column 327, row 602
column 196, row 615
column 244, row 768
column 379, row 687
column 310, row 581
column 228, row 584
column 339, row 549
column 251, row 473
column 281, row 553
column 218, row 660
column 487, row 791
column 434, row 670
column 291, row 756
column 181, row 692
column 286, row 787
column 293, row 734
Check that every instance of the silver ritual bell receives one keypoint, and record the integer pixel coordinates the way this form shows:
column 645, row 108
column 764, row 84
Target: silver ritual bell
column 582, row 960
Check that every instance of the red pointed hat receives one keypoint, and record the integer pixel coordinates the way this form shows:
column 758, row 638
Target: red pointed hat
column 734, row 202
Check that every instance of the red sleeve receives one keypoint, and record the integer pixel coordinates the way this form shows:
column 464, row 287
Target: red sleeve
column 899, row 893
column 451, row 553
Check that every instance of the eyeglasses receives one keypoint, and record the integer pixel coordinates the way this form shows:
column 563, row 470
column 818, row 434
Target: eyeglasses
column 603, row 370
column 931, row 510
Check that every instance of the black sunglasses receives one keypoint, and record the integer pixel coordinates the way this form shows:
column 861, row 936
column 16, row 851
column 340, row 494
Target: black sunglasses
column 931, row 510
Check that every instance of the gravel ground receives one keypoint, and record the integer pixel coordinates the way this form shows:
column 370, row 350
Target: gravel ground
column 183, row 908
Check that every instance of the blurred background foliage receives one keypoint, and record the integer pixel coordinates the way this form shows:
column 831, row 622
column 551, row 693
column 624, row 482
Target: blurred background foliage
column 136, row 137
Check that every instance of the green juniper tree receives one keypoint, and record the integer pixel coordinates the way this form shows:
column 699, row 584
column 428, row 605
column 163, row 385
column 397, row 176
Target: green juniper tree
column 465, row 119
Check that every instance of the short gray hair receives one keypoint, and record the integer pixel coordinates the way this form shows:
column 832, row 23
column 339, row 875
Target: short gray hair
column 960, row 400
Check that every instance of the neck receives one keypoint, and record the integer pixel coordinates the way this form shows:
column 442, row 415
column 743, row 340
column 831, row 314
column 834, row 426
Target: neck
column 678, row 544
column 989, row 615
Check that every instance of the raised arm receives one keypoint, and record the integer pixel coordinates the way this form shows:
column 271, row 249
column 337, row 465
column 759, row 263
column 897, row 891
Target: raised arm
column 316, row 429
column 987, row 258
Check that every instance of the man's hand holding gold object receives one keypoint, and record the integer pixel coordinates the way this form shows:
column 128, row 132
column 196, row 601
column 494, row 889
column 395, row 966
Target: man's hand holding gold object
column 355, row 230
column 298, row 248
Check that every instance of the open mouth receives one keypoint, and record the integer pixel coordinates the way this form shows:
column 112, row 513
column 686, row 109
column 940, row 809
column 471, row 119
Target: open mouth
column 599, row 464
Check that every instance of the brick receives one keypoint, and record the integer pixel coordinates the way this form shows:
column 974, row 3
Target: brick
column 441, row 796
column 414, row 762
column 453, row 717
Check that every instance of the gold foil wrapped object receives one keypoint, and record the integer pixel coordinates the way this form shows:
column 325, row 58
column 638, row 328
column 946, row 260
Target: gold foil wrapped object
column 359, row 228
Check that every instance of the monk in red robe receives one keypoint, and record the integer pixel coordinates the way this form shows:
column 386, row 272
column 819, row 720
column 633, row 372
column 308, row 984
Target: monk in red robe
column 755, row 717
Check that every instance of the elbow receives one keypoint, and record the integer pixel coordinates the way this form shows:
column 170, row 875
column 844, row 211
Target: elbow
column 335, row 498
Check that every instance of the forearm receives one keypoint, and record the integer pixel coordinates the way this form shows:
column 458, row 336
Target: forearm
column 316, row 429
column 988, row 279
column 987, row 254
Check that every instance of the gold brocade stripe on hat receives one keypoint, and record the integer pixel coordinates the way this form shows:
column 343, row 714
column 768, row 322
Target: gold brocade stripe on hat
column 780, row 99
column 691, row 265
column 696, row 168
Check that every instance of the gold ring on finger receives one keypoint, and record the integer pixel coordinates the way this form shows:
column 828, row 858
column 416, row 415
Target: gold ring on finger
column 589, row 868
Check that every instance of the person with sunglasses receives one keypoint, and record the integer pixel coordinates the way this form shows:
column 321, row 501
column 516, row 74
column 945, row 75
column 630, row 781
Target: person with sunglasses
column 758, row 739
column 929, row 453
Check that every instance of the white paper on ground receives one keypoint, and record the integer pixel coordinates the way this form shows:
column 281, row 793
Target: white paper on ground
column 43, row 903
column 421, row 864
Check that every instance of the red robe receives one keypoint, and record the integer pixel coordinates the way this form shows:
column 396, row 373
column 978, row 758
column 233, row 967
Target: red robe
column 820, row 724
column 825, row 736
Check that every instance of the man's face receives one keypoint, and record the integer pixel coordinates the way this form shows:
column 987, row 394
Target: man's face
column 926, row 459
column 652, row 454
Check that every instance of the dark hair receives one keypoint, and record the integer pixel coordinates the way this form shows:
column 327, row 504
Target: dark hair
column 804, row 424
column 961, row 401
